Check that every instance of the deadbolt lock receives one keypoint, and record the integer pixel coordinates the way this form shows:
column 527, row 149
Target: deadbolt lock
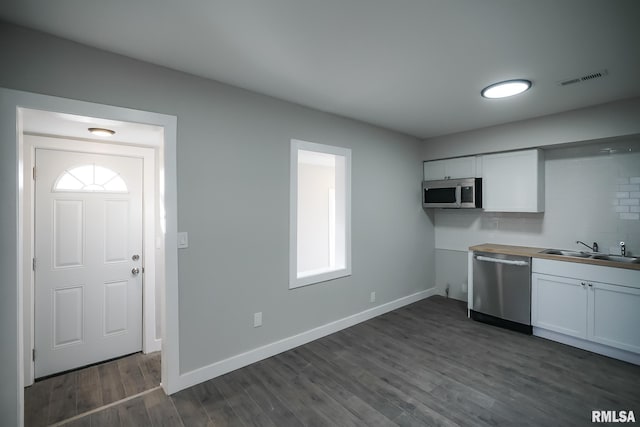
column 135, row 257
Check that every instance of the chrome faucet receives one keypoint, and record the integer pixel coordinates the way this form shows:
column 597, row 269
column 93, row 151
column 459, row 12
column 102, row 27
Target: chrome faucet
column 593, row 248
column 623, row 249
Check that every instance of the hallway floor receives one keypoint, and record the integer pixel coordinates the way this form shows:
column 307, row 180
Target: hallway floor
column 64, row 396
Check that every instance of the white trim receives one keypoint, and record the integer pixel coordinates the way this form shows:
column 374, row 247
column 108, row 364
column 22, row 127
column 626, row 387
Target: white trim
column 208, row 372
column 12, row 160
column 296, row 281
column 469, row 282
column 154, row 345
column 33, row 142
column 594, row 347
column 331, row 203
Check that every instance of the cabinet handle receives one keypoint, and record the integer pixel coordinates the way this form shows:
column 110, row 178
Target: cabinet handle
column 583, row 284
column 591, row 285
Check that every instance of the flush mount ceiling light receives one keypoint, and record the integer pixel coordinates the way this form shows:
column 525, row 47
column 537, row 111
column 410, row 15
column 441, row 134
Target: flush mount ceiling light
column 102, row 131
column 506, row 88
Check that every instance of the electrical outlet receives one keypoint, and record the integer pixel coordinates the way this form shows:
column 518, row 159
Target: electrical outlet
column 372, row 298
column 257, row 319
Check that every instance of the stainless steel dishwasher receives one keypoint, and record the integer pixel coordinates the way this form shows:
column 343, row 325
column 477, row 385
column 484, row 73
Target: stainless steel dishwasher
column 502, row 290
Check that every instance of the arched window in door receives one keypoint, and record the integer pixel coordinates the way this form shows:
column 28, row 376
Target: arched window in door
column 90, row 178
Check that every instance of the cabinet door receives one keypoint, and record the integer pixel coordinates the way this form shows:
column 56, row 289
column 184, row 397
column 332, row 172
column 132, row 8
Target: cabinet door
column 559, row 304
column 462, row 167
column 513, row 182
column 434, row 170
column 614, row 316
column 459, row 167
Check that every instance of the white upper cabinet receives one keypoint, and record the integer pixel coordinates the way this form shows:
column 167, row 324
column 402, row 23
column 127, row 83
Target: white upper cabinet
column 460, row 167
column 513, row 181
column 434, row 170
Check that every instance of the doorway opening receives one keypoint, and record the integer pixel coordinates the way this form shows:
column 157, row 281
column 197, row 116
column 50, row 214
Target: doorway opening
column 13, row 104
column 93, row 288
column 13, row 263
column 93, row 228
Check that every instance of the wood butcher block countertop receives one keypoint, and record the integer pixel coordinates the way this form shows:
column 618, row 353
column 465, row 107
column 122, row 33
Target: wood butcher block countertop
column 537, row 253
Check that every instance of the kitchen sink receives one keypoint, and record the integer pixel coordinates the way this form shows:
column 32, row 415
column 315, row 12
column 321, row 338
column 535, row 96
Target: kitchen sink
column 605, row 257
column 566, row 253
column 618, row 258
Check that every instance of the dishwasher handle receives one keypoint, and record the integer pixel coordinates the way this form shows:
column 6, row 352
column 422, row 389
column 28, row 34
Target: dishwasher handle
column 502, row 261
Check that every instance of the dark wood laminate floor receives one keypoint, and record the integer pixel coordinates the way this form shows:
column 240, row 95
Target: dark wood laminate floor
column 64, row 396
column 422, row 365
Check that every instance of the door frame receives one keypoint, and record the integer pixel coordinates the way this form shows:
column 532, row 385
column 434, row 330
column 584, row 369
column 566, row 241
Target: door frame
column 150, row 342
column 12, row 178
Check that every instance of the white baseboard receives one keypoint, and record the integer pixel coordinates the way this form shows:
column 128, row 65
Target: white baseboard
column 153, row 346
column 222, row 367
column 594, row 347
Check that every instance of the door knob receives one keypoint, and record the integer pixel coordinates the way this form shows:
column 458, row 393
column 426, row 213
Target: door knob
column 135, row 271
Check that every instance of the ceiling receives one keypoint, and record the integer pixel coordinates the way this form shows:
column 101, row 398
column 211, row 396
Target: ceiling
column 49, row 123
column 415, row 66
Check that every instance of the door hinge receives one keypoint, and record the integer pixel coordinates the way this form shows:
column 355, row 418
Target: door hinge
column 33, row 354
column 34, row 172
column 34, row 264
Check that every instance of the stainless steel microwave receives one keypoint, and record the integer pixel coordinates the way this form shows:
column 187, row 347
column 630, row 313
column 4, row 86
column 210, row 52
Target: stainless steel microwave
column 465, row 193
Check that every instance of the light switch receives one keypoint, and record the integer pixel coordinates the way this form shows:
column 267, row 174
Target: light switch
column 183, row 240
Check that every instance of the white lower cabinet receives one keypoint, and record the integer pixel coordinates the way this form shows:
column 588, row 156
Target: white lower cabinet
column 559, row 304
column 597, row 316
column 614, row 316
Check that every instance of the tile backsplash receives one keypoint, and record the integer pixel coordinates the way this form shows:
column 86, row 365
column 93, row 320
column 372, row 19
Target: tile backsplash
column 592, row 193
column 627, row 198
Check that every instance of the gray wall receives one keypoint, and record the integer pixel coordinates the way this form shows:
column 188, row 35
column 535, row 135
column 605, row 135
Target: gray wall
column 451, row 272
column 586, row 124
column 233, row 195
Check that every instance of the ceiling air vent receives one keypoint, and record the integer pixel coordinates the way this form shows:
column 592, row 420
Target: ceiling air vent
column 586, row 77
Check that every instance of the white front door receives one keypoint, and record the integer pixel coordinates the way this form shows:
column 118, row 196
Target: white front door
column 88, row 259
